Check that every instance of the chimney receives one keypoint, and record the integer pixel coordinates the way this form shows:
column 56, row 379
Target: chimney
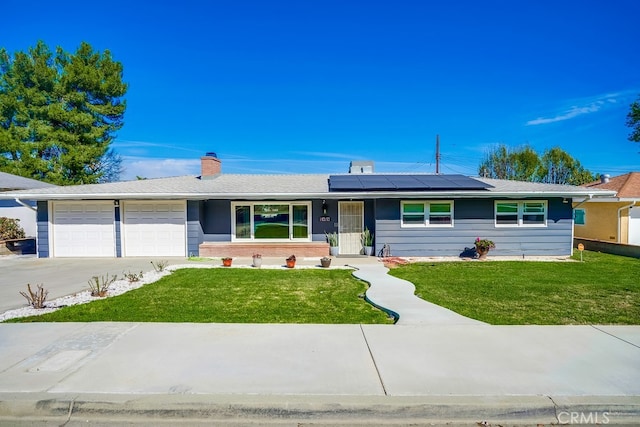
column 604, row 178
column 362, row 166
column 210, row 165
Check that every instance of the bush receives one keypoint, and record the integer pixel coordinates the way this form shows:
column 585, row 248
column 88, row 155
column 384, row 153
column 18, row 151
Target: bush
column 10, row 229
column 100, row 285
column 36, row 299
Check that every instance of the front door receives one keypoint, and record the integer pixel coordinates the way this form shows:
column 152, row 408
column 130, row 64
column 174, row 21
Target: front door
column 350, row 226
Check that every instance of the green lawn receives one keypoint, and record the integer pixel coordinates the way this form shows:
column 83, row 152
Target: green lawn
column 234, row 296
column 605, row 289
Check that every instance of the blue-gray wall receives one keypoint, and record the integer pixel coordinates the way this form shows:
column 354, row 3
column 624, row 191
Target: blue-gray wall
column 194, row 227
column 118, row 227
column 474, row 218
column 42, row 237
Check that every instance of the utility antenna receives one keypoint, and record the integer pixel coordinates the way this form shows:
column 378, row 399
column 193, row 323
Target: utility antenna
column 437, row 154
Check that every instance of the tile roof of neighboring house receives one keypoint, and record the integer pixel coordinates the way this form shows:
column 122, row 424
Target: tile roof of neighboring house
column 627, row 185
column 14, row 182
column 246, row 186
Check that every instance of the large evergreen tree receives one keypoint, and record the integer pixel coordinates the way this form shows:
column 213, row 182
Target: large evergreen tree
column 59, row 114
column 555, row 166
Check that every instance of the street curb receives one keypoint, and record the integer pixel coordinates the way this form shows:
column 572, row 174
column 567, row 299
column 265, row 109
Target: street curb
column 323, row 410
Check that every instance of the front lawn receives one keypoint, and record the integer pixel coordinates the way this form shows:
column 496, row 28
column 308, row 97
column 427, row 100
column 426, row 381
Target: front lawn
column 605, row 289
column 232, row 295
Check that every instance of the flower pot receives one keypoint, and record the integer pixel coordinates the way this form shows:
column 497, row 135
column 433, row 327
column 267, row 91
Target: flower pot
column 257, row 262
column 368, row 250
column 325, row 262
column 226, row 262
column 482, row 253
column 291, row 263
column 334, row 250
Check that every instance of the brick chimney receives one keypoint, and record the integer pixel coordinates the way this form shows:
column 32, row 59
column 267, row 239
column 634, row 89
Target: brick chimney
column 210, row 165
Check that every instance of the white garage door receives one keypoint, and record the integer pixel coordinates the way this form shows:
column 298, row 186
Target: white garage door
column 634, row 226
column 83, row 229
column 154, row 228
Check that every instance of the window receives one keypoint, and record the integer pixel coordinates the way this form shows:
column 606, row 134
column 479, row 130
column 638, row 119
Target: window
column 521, row 214
column 277, row 221
column 427, row 214
column 579, row 216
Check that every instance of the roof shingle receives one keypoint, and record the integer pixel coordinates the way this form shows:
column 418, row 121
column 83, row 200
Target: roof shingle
column 627, row 185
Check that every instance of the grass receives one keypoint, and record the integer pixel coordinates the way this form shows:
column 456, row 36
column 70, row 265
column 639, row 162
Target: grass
column 234, row 296
column 604, row 289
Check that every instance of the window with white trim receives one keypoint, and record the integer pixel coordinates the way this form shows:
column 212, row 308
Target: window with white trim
column 579, row 217
column 521, row 213
column 279, row 221
column 420, row 213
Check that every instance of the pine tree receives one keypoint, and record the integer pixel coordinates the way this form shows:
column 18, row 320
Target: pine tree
column 59, row 114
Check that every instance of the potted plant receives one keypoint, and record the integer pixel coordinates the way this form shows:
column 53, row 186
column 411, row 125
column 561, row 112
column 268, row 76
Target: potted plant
column 257, row 260
column 483, row 246
column 291, row 261
column 366, row 238
column 325, row 261
column 332, row 239
column 226, row 261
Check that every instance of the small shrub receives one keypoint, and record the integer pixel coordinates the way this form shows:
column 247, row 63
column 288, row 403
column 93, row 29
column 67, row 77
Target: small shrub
column 10, row 229
column 132, row 277
column 159, row 266
column 36, row 299
column 100, row 285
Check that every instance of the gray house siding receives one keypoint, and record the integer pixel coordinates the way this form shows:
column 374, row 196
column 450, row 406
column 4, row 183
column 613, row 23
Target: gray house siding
column 472, row 219
column 194, row 227
column 216, row 221
column 118, row 228
column 42, row 238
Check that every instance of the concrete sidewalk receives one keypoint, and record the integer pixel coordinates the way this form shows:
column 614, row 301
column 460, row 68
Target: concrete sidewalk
column 372, row 374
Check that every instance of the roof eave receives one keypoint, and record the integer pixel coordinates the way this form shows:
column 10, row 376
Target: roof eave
column 309, row 195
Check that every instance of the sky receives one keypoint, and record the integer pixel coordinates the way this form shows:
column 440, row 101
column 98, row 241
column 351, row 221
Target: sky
column 280, row 87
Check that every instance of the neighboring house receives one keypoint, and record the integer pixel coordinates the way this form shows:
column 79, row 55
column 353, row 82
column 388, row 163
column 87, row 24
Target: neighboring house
column 218, row 214
column 24, row 210
column 614, row 219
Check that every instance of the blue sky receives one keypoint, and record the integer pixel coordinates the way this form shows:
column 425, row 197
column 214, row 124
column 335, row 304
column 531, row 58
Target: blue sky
column 306, row 86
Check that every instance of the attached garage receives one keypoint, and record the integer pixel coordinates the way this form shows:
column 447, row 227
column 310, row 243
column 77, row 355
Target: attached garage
column 83, row 229
column 154, row 228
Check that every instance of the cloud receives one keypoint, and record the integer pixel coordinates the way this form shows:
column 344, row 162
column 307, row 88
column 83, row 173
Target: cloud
column 157, row 168
column 584, row 106
column 574, row 111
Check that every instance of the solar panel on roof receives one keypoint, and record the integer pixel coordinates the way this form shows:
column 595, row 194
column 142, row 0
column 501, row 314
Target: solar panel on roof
column 397, row 182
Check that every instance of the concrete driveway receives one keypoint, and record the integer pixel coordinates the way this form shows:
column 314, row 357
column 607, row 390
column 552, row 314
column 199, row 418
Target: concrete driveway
column 62, row 276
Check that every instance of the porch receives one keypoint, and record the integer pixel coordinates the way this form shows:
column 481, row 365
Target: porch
column 241, row 249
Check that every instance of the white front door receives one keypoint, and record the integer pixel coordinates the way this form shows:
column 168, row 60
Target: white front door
column 634, row 225
column 155, row 228
column 83, row 229
column 350, row 227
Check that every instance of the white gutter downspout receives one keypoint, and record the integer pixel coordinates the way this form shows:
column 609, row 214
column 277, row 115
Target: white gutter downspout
column 619, row 225
column 20, row 202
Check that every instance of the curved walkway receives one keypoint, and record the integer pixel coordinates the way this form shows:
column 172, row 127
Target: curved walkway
column 397, row 297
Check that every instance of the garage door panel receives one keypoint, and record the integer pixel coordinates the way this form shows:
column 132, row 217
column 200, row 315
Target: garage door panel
column 155, row 228
column 83, row 229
